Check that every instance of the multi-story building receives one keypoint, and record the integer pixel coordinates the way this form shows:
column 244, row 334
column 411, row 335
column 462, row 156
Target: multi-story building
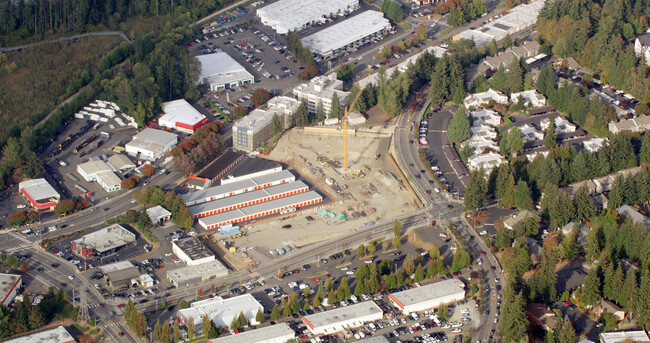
column 318, row 93
column 257, row 127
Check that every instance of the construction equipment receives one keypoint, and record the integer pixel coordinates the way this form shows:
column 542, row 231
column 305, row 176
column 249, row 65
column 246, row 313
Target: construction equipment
column 345, row 132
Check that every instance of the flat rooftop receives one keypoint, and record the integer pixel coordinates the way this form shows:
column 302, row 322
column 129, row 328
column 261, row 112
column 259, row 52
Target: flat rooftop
column 193, row 248
column 152, row 139
column 346, row 32
column 620, row 336
column 277, row 331
column 221, row 68
column 219, row 307
column 203, row 270
column 7, row 283
column 107, row 238
column 251, row 165
column 180, row 111
column 58, row 334
column 220, row 164
column 246, row 197
column 157, row 212
column 260, row 118
column 342, row 314
column 288, row 15
column 431, row 291
column 116, row 266
column 235, row 214
column 92, row 168
column 237, row 186
column 39, row 189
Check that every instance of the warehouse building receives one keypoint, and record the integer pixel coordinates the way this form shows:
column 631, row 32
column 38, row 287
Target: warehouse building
column 120, row 162
column 221, row 311
column 121, row 278
column 260, row 210
column 294, row 15
column 220, row 71
column 10, row 284
column 158, row 214
column 429, row 296
column 256, row 128
column 181, row 116
column 192, row 275
column 41, row 195
column 57, row 334
column 247, row 199
column 278, row 333
column 103, row 242
column 216, row 169
column 251, row 168
column 192, row 251
column 243, row 186
column 100, row 172
column 347, row 34
column 332, row 321
column 151, row 144
column 318, row 93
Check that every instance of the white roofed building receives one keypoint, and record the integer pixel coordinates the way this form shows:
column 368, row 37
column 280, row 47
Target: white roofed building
column 428, row 296
column 531, row 98
column 594, row 144
column 151, row 144
column 318, row 93
column 192, row 275
column 483, row 131
column 332, row 321
column 57, row 334
column 562, row 125
column 348, row 33
column 477, row 99
column 180, row 115
column 10, row 284
column 220, row 71
column 192, row 251
column 257, row 127
column 530, row 133
column 41, row 195
column 221, row 311
column 486, row 161
column 624, row 336
column 294, row 15
column 158, row 214
column 485, row 117
column 100, row 172
column 278, row 333
column 103, row 242
column 481, row 144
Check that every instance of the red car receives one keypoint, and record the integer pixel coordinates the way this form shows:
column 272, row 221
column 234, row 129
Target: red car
column 315, row 279
column 120, row 305
column 120, row 333
column 483, row 253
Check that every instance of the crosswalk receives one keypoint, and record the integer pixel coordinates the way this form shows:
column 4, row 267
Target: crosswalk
column 17, row 248
column 439, row 201
column 111, row 324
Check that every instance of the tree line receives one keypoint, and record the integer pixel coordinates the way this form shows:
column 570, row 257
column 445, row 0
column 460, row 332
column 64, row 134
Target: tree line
column 26, row 317
column 155, row 195
column 199, row 149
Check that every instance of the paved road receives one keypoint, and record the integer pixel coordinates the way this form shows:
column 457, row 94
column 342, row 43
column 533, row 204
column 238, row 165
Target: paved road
column 77, row 36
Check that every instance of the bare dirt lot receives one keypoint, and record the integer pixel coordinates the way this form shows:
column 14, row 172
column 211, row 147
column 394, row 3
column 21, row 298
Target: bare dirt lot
column 376, row 193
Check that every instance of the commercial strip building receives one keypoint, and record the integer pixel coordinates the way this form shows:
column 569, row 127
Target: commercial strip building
column 158, row 214
column 192, row 275
column 243, row 186
column 216, row 169
column 278, row 333
column 103, row 242
column 180, row 115
column 349, row 33
column 221, row 311
column 260, row 210
column 428, row 296
column 294, row 15
column 151, row 144
column 256, row 128
column 220, row 71
column 248, row 199
column 41, row 195
column 58, row 334
column 318, row 93
column 9, row 286
column 343, row 317
column 100, row 172
column 624, row 336
column 192, row 251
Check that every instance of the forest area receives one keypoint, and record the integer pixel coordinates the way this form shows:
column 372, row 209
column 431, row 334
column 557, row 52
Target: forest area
column 600, row 35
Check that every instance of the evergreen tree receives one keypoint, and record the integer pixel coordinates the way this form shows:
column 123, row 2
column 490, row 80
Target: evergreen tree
column 419, row 274
column 543, row 283
column 503, row 176
column 177, row 331
column 461, row 260
column 550, row 138
column 569, row 246
column 567, row 333
column 302, row 115
column 476, row 191
column 459, row 129
column 515, row 141
column 594, row 243
column 514, row 324
column 644, row 154
column 546, row 83
column 591, row 294
column 616, row 196
column 508, row 199
column 522, row 198
column 191, row 328
column 643, row 301
column 277, row 126
column 335, row 111
column 617, row 285
column 515, row 76
column 275, row 313
column 630, row 292
column 585, row 208
column 259, row 317
column 165, row 334
column 608, row 282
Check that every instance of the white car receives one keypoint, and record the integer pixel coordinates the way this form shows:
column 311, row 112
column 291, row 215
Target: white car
column 21, row 206
column 456, row 330
column 435, row 189
column 70, row 277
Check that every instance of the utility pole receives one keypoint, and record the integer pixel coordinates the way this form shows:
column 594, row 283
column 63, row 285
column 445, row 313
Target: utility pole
column 83, row 310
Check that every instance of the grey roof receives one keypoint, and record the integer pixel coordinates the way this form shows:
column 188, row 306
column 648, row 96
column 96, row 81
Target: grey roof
column 431, row 291
column 220, row 68
column 193, row 248
column 92, row 168
column 7, row 282
column 644, row 40
column 58, row 334
column 265, row 334
column 107, row 238
column 39, row 189
column 119, row 162
column 157, row 212
column 201, row 271
column 374, row 339
column 236, row 214
column 152, row 139
column 342, row 314
column 246, row 197
column 224, row 190
column 122, row 275
column 633, row 213
column 620, row 336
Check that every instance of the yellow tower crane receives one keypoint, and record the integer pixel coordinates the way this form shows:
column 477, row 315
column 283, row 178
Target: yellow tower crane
column 345, row 131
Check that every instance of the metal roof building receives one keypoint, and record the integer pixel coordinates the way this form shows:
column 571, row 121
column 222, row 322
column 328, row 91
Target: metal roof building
column 278, row 333
column 101, row 173
column 221, row 311
column 181, row 116
column 220, row 71
column 335, row 320
column 9, row 286
column 191, row 275
column 239, row 187
column 248, row 199
column 428, row 296
column 41, row 195
column 120, row 162
column 150, row 144
column 347, row 32
column 192, row 251
column 624, row 336
column 216, row 169
column 260, row 210
column 58, row 334
column 293, row 15
column 104, row 241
